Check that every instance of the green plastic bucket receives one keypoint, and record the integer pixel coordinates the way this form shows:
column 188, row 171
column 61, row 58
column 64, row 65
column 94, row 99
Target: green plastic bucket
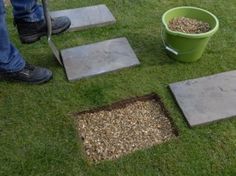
column 187, row 47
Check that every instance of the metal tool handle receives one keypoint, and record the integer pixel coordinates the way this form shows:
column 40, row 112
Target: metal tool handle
column 47, row 18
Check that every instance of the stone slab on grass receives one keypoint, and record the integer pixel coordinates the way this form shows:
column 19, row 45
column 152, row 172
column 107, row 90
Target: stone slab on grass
column 124, row 127
column 87, row 17
column 207, row 99
column 89, row 60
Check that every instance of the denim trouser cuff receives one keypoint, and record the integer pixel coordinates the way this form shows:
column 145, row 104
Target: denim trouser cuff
column 27, row 10
column 10, row 58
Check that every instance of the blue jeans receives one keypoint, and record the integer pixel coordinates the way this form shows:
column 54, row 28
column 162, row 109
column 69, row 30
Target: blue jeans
column 26, row 10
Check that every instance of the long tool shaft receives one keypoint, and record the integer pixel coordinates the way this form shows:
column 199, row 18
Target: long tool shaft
column 53, row 47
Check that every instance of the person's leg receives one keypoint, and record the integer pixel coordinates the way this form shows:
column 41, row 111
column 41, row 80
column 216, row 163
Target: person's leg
column 29, row 19
column 12, row 65
column 10, row 58
column 27, row 10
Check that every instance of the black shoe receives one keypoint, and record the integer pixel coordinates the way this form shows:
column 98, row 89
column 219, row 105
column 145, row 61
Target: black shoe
column 30, row 32
column 30, row 74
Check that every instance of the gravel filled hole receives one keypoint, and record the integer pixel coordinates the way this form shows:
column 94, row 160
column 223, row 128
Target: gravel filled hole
column 124, row 127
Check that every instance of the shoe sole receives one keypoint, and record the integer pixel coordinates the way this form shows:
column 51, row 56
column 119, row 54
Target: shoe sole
column 36, row 37
column 42, row 81
column 31, row 38
column 9, row 78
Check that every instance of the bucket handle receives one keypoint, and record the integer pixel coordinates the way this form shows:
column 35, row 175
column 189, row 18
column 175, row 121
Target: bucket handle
column 171, row 49
column 167, row 46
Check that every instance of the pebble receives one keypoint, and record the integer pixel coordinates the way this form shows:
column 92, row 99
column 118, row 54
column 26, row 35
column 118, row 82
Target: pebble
column 188, row 25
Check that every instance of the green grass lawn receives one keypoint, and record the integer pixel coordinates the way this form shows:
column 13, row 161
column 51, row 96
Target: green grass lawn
column 37, row 133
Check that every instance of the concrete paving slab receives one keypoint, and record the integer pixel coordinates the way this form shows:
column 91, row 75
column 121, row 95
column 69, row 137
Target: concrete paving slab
column 89, row 60
column 87, row 17
column 207, row 99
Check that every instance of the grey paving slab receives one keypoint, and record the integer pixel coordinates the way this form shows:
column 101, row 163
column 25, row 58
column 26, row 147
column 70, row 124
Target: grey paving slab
column 207, row 99
column 87, row 17
column 98, row 58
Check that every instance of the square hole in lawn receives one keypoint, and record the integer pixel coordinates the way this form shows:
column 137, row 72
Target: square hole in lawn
column 123, row 127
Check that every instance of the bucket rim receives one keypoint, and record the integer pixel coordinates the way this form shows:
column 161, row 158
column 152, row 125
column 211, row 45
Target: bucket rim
column 201, row 35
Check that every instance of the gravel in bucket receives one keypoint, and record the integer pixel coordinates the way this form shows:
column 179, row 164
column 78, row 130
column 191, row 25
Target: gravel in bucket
column 124, row 127
column 188, row 25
